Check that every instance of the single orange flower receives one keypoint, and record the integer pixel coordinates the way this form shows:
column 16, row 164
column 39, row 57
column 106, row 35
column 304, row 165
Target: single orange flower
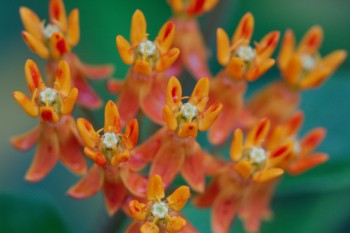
column 174, row 148
column 54, row 42
column 145, row 83
column 111, row 153
column 159, row 215
column 56, row 135
column 242, row 63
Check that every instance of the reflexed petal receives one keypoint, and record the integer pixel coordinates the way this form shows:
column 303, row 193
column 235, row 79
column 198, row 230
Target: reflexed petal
column 312, row 140
column 173, row 93
column 29, row 107
column 58, row 45
column 209, row 116
column 33, row 76
column 62, row 78
column 48, row 114
column 73, row 31
column 125, row 50
column 128, row 103
column 114, row 86
column 169, row 118
column 36, row 45
column 224, row 210
column 188, row 130
column 287, row 49
column 244, row 29
column 258, row 134
column 208, row 197
column 134, row 227
column 87, row 96
column 87, row 133
column 112, row 118
column 168, row 162
column 200, row 94
column 96, row 71
column 149, row 227
column 58, row 13
column 69, row 102
column 27, row 140
column 138, row 28
column 131, row 134
column 175, row 224
column 46, row 155
column 166, row 36
column 134, row 182
column 114, row 193
column 236, row 68
column 267, row 45
column 223, row 47
column 31, row 22
column 267, row 174
column 237, row 145
column 312, row 41
column 309, row 162
column 178, row 199
column 89, row 185
column 167, row 59
column 155, row 188
column 194, row 158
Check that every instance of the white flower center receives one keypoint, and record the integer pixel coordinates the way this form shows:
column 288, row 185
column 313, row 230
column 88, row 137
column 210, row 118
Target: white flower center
column 49, row 30
column 160, row 209
column 247, row 53
column 307, row 62
column 48, row 95
column 189, row 111
column 110, row 140
column 257, row 155
column 148, row 48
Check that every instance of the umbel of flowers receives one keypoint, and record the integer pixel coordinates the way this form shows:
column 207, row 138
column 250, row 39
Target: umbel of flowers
column 133, row 177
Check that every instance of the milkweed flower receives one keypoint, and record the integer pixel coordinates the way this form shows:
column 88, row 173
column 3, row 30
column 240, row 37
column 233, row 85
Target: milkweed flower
column 302, row 68
column 56, row 135
column 188, row 38
column 54, row 41
column 242, row 63
column 110, row 153
column 253, row 166
column 158, row 215
column 174, row 148
column 145, row 82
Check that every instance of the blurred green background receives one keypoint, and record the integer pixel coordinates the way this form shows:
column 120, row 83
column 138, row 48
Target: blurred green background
column 317, row 201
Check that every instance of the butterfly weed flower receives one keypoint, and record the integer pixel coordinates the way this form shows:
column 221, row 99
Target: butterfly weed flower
column 242, row 62
column 174, row 148
column 159, row 214
column 54, row 40
column 110, row 153
column 189, row 38
column 302, row 68
column 56, row 134
column 145, row 82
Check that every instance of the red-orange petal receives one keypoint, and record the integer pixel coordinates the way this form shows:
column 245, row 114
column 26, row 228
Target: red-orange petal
column 131, row 134
column 114, row 194
column 311, row 140
column 267, row 45
column 27, row 140
column 258, row 134
column 87, row 96
column 207, row 199
column 33, row 76
column 311, row 41
column 134, row 182
column 166, row 36
column 307, row 163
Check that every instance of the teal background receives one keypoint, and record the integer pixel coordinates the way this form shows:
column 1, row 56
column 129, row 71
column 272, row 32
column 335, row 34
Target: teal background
column 317, row 201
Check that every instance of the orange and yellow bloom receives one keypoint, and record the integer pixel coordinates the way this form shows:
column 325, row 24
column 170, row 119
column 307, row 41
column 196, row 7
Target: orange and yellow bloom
column 57, row 133
column 159, row 215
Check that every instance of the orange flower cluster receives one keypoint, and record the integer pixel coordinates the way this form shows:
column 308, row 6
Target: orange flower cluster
column 265, row 128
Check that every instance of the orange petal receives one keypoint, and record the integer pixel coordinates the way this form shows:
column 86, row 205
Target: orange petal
column 287, row 49
column 48, row 114
column 209, row 116
column 114, row 194
column 315, row 78
column 97, row 157
column 125, row 50
column 143, row 67
column 267, row 45
column 167, row 59
column 88, row 133
column 223, row 47
column 195, row 7
column 224, row 210
column 31, row 22
column 244, row 29
column 208, row 197
column 155, row 188
column 311, row 140
column 138, row 28
column 200, row 94
column 62, row 78
column 188, row 130
column 333, row 60
column 134, row 182
column 36, row 45
column 58, row 45
column 149, row 227
column 237, row 145
column 244, row 169
column 210, row 4
column 279, row 154
column 307, row 163
column 131, row 134
column 29, row 107
column 169, row 118
column 27, row 140
column 166, row 36
column 168, row 161
column 46, row 155
column 258, row 70
column 178, row 199
column 73, row 32
column 33, row 76
column 295, row 123
column 89, row 185
column 175, row 224
column 258, row 134
column 194, row 158
column 69, row 102
column 267, row 175
column 292, row 70
column 138, row 210
column 312, row 41
column 236, row 68
column 112, row 118
column 58, row 13
column 173, row 93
